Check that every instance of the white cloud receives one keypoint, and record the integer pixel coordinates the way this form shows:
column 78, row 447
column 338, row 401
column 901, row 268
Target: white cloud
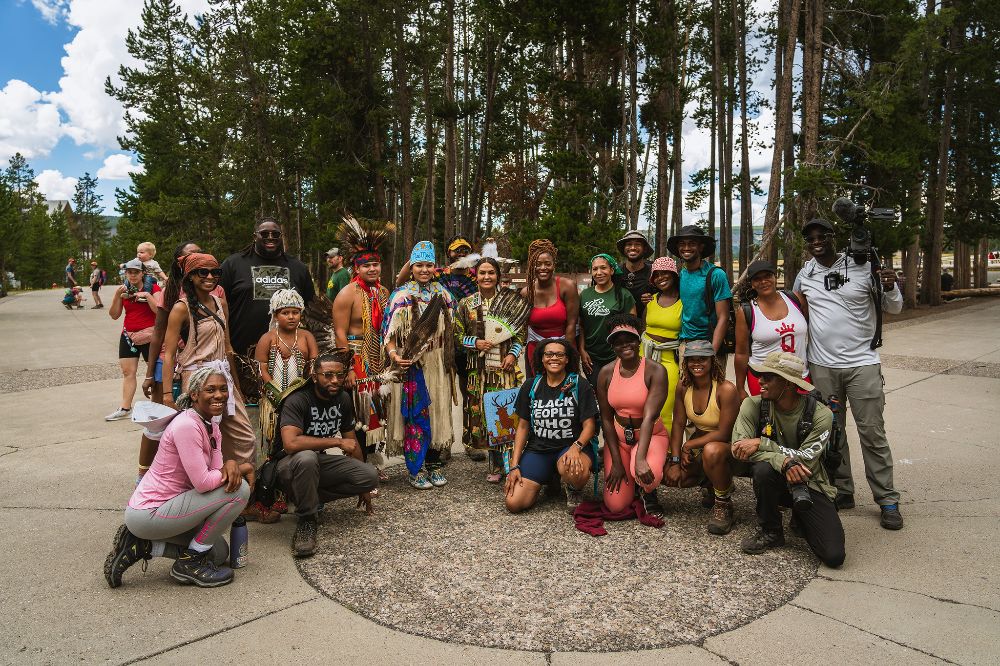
column 29, row 124
column 54, row 185
column 51, row 10
column 118, row 167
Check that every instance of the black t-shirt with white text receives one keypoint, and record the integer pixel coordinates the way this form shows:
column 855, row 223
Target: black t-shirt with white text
column 249, row 282
column 556, row 418
column 318, row 418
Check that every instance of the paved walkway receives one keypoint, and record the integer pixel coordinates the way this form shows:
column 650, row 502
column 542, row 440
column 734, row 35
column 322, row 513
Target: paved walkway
column 929, row 593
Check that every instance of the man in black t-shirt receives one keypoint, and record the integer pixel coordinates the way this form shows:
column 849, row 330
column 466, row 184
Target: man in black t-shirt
column 636, row 270
column 317, row 417
column 251, row 277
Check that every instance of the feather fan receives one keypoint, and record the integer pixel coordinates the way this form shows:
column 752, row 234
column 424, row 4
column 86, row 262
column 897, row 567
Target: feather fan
column 422, row 334
column 317, row 318
column 507, row 315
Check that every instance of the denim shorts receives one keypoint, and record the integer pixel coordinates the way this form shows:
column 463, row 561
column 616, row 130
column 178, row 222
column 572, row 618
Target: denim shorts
column 158, row 371
column 540, row 466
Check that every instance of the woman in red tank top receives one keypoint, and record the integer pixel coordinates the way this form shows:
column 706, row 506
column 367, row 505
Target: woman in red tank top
column 554, row 301
column 631, row 394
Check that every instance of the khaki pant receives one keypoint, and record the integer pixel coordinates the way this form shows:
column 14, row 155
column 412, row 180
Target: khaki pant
column 861, row 388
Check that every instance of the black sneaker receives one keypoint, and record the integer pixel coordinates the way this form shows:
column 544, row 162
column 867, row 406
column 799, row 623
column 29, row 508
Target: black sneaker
column 762, row 541
column 199, row 569
column 650, row 503
column 891, row 519
column 304, row 541
column 844, row 501
column 126, row 550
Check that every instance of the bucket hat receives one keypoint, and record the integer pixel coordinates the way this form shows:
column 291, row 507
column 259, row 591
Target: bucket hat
column 695, row 232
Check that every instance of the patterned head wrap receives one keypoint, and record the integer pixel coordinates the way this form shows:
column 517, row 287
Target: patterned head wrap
column 196, row 260
column 615, row 268
column 662, row 264
column 423, row 251
column 286, row 298
column 362, row 258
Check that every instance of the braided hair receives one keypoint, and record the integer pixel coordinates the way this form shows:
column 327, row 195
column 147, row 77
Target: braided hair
column 538, row 247
column 172, row 290
column 492, row 262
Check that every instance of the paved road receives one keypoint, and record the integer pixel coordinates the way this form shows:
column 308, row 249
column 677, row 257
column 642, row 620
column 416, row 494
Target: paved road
column 929, row 593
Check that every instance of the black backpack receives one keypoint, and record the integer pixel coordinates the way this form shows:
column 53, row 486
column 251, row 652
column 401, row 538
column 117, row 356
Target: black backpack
column 748, row 308
column 832, row 454
column 729, row 341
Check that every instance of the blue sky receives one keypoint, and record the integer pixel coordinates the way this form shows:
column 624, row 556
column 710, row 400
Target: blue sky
column 56, row 54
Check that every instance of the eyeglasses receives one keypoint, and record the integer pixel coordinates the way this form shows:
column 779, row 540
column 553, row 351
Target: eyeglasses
column 330, row 375
column 819, row 238
column 553, row 354
column 269, row 234
column 205, row 272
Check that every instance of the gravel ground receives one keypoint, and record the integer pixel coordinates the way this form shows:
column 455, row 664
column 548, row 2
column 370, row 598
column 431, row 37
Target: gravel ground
column 27, row 380
column 451, row 564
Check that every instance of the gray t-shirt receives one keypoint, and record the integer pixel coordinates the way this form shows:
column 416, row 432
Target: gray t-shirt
column 842, row 321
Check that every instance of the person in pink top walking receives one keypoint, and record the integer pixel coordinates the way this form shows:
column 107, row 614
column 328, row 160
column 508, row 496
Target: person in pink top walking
column 188, row 499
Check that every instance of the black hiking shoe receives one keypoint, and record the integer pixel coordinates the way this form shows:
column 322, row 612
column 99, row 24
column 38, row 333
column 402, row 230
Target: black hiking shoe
column 650, row 503
column 762, row 541
column 304, row 541
column 891, row 519
column 200, row 569
column 126, row 550
column 844, row 501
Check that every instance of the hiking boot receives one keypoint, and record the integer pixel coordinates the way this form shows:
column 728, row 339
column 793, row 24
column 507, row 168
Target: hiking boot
column 762, row 541
column 650, row 503
column 573, row 497
column 304, row 541
column 707, row 496
column 260, row 513
column 420, row 481
column 437, row 478
column 118, row 414
column 721, row 521
column 477, row 455
column 200, row 569
column 844, row 501
column 891, row 519
column 126, row 550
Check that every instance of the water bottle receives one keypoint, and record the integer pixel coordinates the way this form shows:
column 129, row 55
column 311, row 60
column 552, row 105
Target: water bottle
column 238, row 543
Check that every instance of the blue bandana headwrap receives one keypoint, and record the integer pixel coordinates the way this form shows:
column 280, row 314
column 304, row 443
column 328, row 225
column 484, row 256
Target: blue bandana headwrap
column 423, row 251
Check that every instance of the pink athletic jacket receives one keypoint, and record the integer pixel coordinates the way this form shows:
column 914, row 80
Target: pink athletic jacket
column 184, row 460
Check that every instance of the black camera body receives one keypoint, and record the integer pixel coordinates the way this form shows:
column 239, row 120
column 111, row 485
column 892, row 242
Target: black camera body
column 859, row 245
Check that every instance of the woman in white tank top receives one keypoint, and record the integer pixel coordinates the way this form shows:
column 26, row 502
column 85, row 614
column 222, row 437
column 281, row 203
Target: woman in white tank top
column 778, row 322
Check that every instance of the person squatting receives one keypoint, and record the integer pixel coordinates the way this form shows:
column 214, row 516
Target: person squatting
column 623, row 384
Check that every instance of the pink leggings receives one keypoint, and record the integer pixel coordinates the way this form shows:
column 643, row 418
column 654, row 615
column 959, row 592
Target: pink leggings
column 656, row 458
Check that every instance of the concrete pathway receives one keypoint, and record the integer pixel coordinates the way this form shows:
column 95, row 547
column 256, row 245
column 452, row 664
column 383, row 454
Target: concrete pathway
column 927, row 594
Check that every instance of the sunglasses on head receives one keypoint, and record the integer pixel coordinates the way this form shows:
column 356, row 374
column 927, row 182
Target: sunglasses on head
column 269, row 234
column 205, row 272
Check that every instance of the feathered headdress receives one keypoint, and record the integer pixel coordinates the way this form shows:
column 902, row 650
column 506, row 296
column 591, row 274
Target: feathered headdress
column 490, row 250
column 364, row 240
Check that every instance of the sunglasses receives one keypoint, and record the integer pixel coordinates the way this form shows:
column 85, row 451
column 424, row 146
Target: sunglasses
column 330, row 375
column 817, row 238
column 766, row 377
column 269, row 234
column 205, row 272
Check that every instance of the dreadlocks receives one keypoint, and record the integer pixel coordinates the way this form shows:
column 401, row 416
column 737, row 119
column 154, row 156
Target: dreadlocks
column 537, row 248
column 172, row 290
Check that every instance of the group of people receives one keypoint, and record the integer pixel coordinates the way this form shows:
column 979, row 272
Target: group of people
column 636, row 359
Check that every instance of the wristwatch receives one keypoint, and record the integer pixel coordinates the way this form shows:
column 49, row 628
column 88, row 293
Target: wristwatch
column 580, row 445
column 676, row 460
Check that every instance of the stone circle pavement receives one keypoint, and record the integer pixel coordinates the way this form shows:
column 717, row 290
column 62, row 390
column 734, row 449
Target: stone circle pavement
column 452, row 564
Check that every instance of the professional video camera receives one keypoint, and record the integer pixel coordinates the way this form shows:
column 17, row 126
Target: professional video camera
column 860, row 249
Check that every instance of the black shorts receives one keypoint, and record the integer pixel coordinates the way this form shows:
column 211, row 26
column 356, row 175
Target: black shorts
column 95, row 287
column 128, row 350
column 540, row 466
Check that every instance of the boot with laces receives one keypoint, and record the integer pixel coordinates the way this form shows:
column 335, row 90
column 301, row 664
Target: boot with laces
column 126, row 550
column 721, row 521
column 200, row 569
column 304, row 541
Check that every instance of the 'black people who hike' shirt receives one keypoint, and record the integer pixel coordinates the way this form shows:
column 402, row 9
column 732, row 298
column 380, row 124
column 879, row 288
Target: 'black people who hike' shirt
column 249, row 282
column 556, row 418
column 318, row 418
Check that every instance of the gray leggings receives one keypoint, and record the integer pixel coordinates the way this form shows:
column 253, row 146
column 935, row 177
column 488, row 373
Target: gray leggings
column 204, row 517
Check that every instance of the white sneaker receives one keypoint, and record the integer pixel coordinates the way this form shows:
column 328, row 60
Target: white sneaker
column 118, row 414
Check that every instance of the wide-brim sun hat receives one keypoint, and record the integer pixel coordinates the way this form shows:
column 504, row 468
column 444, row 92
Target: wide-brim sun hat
column 635, row 236
column 695, row 232
column 786, row 365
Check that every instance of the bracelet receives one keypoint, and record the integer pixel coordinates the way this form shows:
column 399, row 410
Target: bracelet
column 144, row 467
column 517, row 467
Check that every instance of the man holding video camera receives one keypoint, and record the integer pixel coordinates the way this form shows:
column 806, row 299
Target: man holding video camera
column 846, row 294
column 786, row 436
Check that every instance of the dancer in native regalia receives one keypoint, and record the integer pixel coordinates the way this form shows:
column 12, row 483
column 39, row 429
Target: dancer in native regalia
column 420, row 344
column 490, row 325
column 357, row 322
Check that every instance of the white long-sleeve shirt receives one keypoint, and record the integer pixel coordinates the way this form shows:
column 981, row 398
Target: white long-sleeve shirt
column 842, row 321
